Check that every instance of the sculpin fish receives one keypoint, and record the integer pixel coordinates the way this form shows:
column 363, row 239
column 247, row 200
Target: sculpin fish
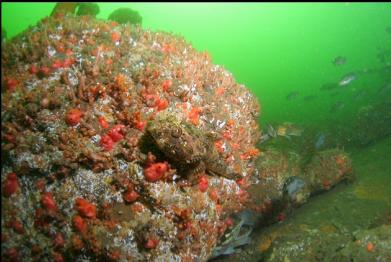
column 187, row 146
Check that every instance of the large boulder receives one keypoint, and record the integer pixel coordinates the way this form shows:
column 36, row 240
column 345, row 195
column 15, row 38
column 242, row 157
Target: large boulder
column 81, row 176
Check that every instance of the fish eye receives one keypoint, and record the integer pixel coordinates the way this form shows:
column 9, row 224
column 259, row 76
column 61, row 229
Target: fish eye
column 177, row 132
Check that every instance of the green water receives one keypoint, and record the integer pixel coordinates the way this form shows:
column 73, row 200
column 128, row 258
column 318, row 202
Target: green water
column 272, row 48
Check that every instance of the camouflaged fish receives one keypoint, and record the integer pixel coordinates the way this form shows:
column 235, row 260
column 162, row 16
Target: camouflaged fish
column 186, row 146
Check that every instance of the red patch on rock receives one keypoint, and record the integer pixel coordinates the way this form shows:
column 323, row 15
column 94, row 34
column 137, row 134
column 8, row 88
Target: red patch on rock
column 12, row 254
column 68, row 62
column 106, row 142
column 33, row 69
column 17, row 226
column 281, row 217
column 130, row 196
column 11, row 84
column 40, row 184
column 151, row 243
column 10, row 185
column 166, row 85
column 115, row 36
column 116, row 133
column 138, row 123
column 57, row 64
column 219, row 146
column 44, row 71
column 214, row 195
column 58, row 240
column 80, row 224
column 10, row 138
column 161, row 104
column 57, row 257
column 85, row 208
column 203, row 184
column 48, row 201
column 103, row 123
column 73, row 116
column 155, row 171
column 229, row 222
column 220, row 91
column 114, row 255
column 194, row 115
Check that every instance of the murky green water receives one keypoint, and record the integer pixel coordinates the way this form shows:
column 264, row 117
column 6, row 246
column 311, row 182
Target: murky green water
column 274, row 49
column 324, row 67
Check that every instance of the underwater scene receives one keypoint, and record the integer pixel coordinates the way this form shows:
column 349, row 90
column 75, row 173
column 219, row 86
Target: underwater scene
column 195, row 132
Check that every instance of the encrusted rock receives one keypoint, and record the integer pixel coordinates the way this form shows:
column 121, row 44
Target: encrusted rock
column 77, row 95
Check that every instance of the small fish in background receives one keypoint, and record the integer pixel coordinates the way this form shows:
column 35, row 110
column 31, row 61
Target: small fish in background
column 319, row 141
column 310, row 98
column 337, row 106
column 292, row 95
column 270, row 133
column 360, row 94
column 386, row 70
column 329, row 86
column 288, row 129
column 347, row 79
column 367, row 71
column 385, row 73
column 384, row 56
column 385, row 89
column 339, row 60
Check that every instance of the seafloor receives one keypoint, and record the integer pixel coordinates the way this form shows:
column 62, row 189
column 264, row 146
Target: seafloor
column 352, row 222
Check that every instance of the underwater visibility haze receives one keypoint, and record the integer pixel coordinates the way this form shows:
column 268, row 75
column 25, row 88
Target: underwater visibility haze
column 196, row 131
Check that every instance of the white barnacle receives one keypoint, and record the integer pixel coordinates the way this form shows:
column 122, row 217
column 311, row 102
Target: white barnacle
column 156, row 45
column 51, row 51
column 73, row 79
column 55, row 37
column 95, row 139
column 220, row 124
column 122, row 165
